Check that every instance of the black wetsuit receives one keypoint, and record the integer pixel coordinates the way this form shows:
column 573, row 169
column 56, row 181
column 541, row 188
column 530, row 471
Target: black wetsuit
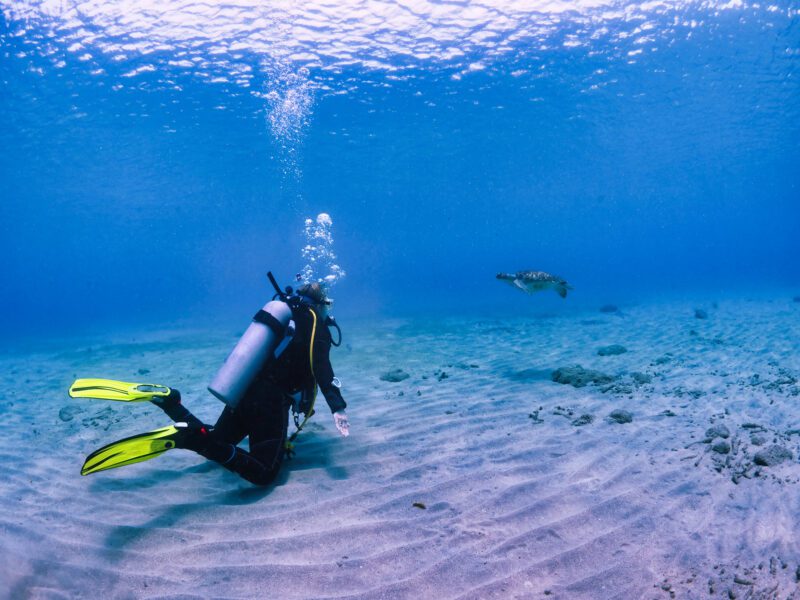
column 263, row 413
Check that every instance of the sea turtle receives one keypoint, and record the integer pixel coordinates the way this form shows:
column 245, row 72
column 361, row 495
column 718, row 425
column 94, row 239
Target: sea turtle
column 535, row 281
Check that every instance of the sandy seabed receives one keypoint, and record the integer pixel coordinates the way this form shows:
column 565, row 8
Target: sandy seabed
column 474, row 475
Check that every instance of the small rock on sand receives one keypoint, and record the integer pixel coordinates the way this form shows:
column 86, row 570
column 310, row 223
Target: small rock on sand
column 758, row 440
column 721, row 446
column 608, row 308
column 718, row 431
column 641, row 378
column 395, row 375
column 774, row 455
column 612, row 350
column 143, row 371
column 699, row 313
column 67, row 413
column 583, row 420
column 621, row 416
column 578, row 377
column 663, row 360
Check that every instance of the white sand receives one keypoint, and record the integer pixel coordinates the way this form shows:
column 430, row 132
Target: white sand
column 512, row 508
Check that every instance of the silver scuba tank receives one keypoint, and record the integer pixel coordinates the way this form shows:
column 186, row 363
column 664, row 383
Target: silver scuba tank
column 268, row 328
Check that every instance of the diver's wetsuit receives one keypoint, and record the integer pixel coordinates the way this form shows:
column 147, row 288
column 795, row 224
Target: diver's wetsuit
column 263, row 413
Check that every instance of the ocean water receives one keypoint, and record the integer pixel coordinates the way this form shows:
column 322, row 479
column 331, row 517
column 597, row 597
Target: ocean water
column 158, row 158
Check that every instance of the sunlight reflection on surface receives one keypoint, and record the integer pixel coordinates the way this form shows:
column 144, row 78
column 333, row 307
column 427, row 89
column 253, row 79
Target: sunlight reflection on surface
column 220, row 39
column 289, row 54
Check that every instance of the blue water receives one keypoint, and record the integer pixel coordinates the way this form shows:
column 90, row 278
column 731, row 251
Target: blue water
column 156, row 159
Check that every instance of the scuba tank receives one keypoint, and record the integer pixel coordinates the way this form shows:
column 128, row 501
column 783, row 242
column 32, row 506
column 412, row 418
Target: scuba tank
column 267, row 336
column 259, row 341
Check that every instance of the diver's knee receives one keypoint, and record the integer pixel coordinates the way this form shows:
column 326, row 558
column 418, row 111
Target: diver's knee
column 264, row 479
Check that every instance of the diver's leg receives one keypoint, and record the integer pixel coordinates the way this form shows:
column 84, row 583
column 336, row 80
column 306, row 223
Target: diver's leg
column 263, row 415
column 269, row 421
column 231, row 427
column 265, row 411
column 171, row 404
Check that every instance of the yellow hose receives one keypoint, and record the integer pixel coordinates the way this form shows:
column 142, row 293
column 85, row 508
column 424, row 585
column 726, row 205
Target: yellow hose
column 310, row 410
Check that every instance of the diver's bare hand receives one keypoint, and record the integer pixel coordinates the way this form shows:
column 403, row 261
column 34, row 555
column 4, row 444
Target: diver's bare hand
column 342, row 424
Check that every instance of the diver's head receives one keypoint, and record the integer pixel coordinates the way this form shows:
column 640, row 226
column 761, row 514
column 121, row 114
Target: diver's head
column 314, row 294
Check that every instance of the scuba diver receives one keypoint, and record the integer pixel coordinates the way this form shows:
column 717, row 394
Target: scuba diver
column 278, row 364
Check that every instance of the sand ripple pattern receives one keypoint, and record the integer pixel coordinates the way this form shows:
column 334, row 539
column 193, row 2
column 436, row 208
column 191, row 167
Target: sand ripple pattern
column 447, row 488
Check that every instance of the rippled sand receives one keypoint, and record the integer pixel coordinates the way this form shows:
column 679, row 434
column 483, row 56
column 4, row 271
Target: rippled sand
column 471, row 478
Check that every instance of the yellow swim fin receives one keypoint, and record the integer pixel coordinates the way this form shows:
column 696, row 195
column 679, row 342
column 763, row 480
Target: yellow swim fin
column 131, row 450
column 108, row 389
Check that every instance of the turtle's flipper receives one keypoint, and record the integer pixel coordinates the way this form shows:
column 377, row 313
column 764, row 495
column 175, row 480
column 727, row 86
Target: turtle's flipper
column 563, row 288
column 522, row 286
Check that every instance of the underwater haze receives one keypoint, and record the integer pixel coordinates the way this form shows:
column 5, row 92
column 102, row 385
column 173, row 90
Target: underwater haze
column 158, row 158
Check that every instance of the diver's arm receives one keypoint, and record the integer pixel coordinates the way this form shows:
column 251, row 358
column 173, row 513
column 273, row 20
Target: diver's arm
column 328, row 384
column 323, row 372
column 337, row 404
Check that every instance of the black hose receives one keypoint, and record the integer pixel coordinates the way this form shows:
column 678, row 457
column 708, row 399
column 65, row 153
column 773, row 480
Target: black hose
column 331, row 322
column 278, row 293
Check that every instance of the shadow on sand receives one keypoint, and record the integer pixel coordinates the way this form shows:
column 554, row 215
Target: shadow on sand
column 313, row 452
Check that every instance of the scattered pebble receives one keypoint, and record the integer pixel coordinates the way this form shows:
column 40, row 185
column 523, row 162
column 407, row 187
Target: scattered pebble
column 564, row 412
column 583, row 420
column 699, row 313
column 758, row 440
column 463, row 365
column 67, row 413
column 641, row 378
column 612, row 350
column 395, row 375
column 754, row 426
column 103, row 418
column 721, row 446
column 534, row 416
column 143, row 371
column 621, row 416
column 662, row 360
column 774, row 455
column 718, row 430
column 620, row 388
column 578, row 377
